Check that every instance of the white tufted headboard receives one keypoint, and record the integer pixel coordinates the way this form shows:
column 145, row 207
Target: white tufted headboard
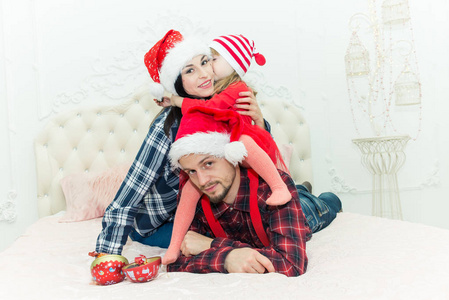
column 94, row 139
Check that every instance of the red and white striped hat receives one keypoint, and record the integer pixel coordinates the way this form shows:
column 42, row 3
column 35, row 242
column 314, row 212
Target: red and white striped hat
column 237, row 50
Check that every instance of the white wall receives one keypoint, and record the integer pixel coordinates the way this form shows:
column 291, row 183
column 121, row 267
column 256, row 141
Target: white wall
column 57, row 54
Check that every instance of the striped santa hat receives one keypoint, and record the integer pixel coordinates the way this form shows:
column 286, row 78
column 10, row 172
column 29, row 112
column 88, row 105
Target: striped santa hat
column 238, row 51
column 168, row 56
column 205, row 130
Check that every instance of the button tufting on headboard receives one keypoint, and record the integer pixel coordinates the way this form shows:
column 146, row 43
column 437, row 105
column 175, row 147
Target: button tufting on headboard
column 93, row 139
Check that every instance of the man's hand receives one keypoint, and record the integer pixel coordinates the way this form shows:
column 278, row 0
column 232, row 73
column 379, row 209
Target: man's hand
column 248, row 103
column 195, row 243
column 247, row 260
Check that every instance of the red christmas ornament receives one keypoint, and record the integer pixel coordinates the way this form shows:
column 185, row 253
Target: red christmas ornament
column 143, row 269
column 107, row 269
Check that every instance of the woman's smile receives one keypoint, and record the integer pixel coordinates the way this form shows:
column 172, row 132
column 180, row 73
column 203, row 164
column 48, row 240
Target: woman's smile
column 197, row 77
column 205, row 85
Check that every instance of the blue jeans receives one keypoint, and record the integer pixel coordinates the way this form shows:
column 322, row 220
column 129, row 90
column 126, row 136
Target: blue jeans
column 319, row 211
column 160, row 238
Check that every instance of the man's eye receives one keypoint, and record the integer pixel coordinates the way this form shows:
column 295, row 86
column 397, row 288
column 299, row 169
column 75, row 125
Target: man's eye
column 191, row 172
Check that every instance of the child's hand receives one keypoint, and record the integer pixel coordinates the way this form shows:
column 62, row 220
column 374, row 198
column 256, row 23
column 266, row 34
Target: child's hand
column 165, row 102
column 176, row 101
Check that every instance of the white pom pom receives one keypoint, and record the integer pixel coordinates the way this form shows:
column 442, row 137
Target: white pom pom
column 235, row 152
column 157, row 90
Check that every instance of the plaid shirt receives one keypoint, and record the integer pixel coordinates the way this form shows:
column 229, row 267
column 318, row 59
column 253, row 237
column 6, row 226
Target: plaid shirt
column 147, row 197
column 285, row 225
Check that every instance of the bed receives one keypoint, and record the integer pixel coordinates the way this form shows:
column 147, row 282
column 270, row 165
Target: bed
column 356, row 257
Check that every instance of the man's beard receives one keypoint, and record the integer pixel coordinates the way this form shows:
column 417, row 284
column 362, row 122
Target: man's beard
column 222, row 196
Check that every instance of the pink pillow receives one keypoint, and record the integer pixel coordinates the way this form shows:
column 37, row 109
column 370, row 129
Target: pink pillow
column 87, row 195
column 286, row 153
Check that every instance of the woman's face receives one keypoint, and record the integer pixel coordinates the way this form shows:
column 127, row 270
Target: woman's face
column 198, row 77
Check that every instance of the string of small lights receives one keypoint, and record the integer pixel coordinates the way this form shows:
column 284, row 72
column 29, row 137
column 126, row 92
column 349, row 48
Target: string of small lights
column 375, row 87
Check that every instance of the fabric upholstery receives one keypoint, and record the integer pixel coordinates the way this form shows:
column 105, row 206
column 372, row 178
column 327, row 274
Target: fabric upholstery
column 94, row 139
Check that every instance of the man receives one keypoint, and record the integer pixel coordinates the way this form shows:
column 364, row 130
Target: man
column 242, row 251
column 234, row 230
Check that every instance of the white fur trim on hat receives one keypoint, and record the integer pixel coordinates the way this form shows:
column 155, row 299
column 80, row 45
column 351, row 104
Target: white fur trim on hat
column 235, row 152
column 178, row 57
column 156, row 90
column 213, row 143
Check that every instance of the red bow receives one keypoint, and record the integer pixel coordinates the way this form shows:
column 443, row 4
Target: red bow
column 141, row 259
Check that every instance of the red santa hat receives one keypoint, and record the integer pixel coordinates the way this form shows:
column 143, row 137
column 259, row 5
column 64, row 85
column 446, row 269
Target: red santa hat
column 205, row 130
column 168, row 56
column 238, row 51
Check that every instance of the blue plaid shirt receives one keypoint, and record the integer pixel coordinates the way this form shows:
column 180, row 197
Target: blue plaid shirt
column 147, row 197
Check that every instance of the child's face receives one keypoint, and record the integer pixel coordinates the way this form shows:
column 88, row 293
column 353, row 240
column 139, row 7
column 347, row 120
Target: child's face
column 221, row 67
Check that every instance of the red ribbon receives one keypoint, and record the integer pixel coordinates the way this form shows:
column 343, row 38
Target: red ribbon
column 141, row 260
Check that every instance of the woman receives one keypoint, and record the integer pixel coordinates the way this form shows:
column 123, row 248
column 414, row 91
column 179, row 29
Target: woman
column 145, row 203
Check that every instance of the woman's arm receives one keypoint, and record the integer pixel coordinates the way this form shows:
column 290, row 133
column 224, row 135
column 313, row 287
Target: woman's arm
column 247, row 105
column 148, row 164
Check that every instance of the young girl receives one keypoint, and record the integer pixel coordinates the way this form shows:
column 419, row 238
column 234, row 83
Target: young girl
column 232, row 56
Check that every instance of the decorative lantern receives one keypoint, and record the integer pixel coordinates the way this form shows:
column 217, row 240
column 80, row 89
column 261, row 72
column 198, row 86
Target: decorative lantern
column 356, row 58
column 407, row 88
column 395, row 12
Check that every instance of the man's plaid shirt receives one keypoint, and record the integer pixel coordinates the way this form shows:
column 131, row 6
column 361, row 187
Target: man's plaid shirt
column 286, row 228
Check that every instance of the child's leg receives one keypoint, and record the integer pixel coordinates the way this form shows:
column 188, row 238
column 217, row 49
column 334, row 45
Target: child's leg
column 260, row 162
column 183, row 218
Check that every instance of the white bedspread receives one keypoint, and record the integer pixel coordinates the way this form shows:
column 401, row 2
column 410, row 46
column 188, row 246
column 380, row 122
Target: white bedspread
column 357, row 257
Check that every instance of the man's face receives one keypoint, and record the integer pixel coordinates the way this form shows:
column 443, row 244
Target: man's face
column 213, row 176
